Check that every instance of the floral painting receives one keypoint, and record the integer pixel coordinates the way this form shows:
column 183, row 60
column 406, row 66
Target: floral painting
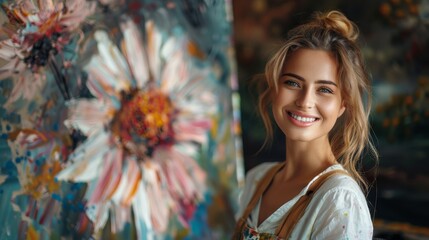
column 119, row 119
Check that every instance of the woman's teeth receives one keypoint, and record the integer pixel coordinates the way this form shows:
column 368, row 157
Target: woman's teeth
column 302, row 119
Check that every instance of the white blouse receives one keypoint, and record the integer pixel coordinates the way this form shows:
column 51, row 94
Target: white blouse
column 338, row 209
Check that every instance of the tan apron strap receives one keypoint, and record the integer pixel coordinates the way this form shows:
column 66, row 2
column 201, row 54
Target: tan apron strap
column 290, row 220
column 260, row 189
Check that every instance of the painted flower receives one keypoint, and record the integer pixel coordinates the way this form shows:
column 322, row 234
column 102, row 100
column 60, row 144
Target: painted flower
column 37, row 158
column 41, row 161
column 36, row 31
column 152, row 110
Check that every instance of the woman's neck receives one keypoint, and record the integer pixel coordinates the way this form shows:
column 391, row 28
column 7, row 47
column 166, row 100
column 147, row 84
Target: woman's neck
column 307, row 159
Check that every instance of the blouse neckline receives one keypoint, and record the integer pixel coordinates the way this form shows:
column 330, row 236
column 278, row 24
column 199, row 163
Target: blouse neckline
column 282, row 210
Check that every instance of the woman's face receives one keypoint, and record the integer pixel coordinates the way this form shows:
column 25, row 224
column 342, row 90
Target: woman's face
column 308, row 101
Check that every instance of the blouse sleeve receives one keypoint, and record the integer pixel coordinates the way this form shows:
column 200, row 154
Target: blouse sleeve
column 344, row 215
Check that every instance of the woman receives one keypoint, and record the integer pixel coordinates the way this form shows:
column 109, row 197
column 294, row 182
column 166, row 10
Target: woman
column 319, row 95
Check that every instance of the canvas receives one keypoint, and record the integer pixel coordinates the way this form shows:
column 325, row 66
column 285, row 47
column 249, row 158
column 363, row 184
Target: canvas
column 119, row 120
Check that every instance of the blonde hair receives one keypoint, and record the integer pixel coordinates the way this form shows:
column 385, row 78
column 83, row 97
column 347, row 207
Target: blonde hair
column 335, row 33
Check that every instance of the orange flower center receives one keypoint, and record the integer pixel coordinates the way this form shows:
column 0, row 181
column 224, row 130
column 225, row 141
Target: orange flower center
column 145, row 118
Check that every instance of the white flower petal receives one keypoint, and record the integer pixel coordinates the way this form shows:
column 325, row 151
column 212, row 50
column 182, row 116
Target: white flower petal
column 12, row 67
column 154, row 40
column 112, row 61
column 175, row 73
column 142, row 213
column 84, row 164
column 7, row 49
column 134, row 51
column 173, row 45
column 187, row 148
column 130, row 179
column 98, row 214
column 108, row 80
column 99, row 88
column 87, row 115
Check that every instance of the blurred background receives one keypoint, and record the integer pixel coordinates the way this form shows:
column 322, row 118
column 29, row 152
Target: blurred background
column 395, row 43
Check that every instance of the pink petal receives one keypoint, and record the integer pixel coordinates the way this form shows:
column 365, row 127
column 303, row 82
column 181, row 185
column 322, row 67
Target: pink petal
column 194, row 130
column 109, row 178
column 46, row 5
column 78, row 11
column 27, row 86
column 29, row 6
column 158, row 196
column 185, row 177
column 119, row 216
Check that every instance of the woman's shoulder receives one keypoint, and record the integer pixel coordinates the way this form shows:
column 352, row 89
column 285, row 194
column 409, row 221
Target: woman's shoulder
column 343, row 180
column 341, row 186
column 341, row 209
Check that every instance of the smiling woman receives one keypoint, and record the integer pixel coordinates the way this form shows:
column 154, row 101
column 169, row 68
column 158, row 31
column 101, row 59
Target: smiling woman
column 318, row 91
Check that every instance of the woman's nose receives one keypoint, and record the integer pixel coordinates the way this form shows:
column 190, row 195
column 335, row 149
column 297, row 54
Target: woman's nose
column 305, row 99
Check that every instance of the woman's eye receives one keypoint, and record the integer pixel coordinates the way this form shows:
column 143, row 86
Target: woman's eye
column 326, row 90
column 292, row 83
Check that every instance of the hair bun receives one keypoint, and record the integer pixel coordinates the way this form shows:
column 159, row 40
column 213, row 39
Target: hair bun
column 336, row 21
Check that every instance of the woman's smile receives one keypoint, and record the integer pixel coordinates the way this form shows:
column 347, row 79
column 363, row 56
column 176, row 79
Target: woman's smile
column 301, row 120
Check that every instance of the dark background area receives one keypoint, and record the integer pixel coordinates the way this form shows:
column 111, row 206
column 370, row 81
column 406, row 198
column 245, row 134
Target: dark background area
column 394, row 40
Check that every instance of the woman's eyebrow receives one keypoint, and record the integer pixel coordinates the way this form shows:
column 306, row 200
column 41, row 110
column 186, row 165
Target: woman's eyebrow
column 293, row 75
column 302, row 79
column 326, row 82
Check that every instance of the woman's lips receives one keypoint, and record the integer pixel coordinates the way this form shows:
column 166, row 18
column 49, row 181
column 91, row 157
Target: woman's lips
column 301, row 120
